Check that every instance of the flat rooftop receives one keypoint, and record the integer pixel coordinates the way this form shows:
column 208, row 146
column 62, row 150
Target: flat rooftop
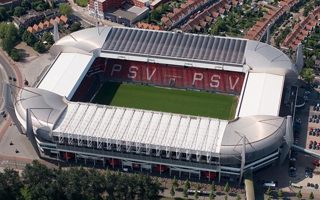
column 128, row 11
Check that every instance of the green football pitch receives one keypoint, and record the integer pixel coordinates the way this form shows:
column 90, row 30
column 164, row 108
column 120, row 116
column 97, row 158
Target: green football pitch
column 167, row 100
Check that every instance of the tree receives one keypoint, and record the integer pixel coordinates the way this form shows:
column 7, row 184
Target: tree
column 65, row 9
column 29, row 38
column 15, row 55
column 10, row 184
column 299, row 195
column 82, row 3
column 172, row 191
column 309, row 63
column 280, row 194
column 3, row 14
column 48, row 38
column 196, row 193
column 187, row 184
column 308, row 75
column 75, row 26
column 226, row 188
column 238, row 197
column 213, row 186
column 39, row 47
column 307, row 10
column 26, row 4
column 268, row 192
column 175, row 183
column 19, row 11
column 311, row 196
column 9, row 36
column 212, row 195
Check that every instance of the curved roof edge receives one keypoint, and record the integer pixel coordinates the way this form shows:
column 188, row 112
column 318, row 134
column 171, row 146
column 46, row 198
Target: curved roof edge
column 83, row 41
column 262, row 57
column 45, row 106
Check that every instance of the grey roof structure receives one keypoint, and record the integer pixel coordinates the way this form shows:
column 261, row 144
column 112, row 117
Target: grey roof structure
column 45, row 106
column 176, row 45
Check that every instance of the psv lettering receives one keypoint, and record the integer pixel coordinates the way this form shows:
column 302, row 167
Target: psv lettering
column 197, row 77
column 115, row 68
column 150, row 74
column 133, row 72
column 215, row 81
column 233, row 82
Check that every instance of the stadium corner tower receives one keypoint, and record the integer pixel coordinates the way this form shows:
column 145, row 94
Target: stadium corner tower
column 161, row 142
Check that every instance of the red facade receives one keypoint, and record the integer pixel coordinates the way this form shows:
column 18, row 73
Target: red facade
column 175, row 76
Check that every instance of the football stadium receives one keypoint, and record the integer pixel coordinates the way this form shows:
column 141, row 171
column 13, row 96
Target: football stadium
column 163, row 102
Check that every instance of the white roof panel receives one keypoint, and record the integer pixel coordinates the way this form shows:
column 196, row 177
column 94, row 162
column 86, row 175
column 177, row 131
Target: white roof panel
column 66, row 73
column 144, row 128
column 262, row 95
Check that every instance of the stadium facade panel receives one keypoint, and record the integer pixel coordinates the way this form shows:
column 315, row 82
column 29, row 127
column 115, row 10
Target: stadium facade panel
column 160, row 141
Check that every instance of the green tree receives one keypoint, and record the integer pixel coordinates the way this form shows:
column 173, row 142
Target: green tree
column 15, row 55
column 65, row 9
column 75, row 26
column 311, row 196
column 82, row 3
column 307, row 10
column 187, row 184
column 308, row 74
column 39, row 47
column 309, row 63
column 226, row 188
column 10, row 184
column 212, row 195
column 196, row 194
column 185, row 191
column 268, row 192
column 9, row 35
column 29, row 38
column 19, row 11
column 48, row 38
column 175, row 183
column 299, row 195
column 172, row 191
column 26, row 4
column 280, row 194
column 213, row 186
column 3, row 14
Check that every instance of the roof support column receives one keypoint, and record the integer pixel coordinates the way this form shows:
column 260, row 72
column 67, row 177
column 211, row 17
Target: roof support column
column 243, row 158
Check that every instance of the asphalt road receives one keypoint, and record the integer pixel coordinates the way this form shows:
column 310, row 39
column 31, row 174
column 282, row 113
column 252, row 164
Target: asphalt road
column 6, row 71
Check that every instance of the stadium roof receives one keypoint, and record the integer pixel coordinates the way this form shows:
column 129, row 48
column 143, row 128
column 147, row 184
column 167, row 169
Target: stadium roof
column 157, row 130
column 176, row 45
column 45, row 106
column 66, row 73
column 176, row 48
column 147, row 129
column 262, row 95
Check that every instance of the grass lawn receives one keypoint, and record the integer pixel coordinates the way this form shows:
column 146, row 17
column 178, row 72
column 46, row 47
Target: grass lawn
column 167, row 100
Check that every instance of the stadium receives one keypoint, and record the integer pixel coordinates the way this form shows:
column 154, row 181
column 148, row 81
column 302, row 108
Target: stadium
column 163, row 102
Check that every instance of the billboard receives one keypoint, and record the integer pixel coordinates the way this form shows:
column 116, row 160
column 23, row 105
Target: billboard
column 174, row 76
